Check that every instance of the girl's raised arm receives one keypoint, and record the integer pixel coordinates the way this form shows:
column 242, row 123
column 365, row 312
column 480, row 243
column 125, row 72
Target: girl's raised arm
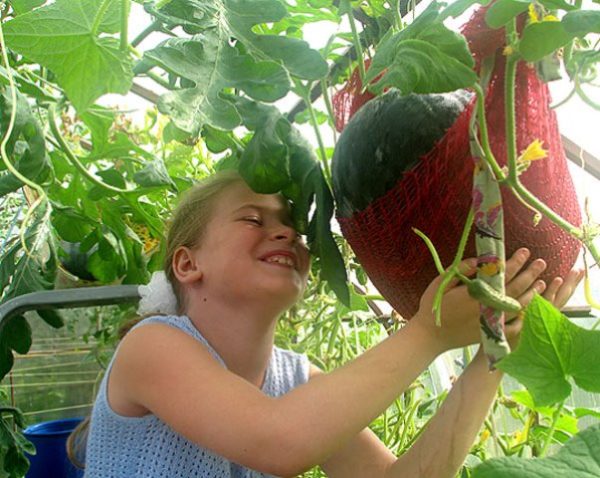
column 166, row 372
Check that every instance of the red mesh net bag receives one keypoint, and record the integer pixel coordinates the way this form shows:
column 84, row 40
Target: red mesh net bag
column 349, row 99
column 435, row 196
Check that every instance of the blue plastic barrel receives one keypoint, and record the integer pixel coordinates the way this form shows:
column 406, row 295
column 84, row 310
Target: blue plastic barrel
column 50, row 440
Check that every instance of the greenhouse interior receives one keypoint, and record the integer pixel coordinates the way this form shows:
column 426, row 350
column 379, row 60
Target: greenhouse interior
column 420, row 299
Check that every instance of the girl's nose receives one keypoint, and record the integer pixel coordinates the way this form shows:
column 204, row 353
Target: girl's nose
column 285, row 233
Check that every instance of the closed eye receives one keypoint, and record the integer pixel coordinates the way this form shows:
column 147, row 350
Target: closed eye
column 253, row 219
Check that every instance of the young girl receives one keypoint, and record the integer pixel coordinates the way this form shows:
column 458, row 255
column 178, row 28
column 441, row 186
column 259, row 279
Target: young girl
column 203, row 392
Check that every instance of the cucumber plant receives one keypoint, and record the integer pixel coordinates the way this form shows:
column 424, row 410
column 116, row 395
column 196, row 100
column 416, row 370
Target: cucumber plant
column 97, row 189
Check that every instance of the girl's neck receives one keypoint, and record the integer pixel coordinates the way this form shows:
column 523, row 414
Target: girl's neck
column 242, row 336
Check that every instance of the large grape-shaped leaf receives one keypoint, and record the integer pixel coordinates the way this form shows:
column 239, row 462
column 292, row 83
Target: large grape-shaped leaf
column 425, row 57
column 66, row 37
column 212, row 64
column 552, row 350
column 579, row 458
column 261, row 65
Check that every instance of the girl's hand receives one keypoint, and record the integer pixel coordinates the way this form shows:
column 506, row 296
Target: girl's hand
column 558, row 293
column 460, row 312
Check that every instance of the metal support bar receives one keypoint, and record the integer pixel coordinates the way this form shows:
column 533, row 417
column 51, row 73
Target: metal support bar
column 581, row 157
column 69, row 298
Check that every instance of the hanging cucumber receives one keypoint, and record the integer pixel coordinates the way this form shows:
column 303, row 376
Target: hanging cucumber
column 487, row 295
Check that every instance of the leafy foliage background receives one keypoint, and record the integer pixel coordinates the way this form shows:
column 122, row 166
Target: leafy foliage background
column 98, row 189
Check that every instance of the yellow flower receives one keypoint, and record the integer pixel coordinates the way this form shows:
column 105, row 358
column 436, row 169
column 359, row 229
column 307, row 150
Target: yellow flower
column 533, row 14
column 551, row 18
column 533, row 152
column 508, row 50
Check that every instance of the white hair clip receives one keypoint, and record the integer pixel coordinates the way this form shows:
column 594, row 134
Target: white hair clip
column 157, row 297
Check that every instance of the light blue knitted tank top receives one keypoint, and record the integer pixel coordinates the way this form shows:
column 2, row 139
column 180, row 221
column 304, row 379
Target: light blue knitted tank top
column 146, row 447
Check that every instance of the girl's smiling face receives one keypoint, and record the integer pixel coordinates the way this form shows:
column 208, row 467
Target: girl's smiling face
column 250, row 249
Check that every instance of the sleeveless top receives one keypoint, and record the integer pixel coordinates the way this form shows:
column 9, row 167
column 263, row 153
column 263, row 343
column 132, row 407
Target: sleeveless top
column 146, row 447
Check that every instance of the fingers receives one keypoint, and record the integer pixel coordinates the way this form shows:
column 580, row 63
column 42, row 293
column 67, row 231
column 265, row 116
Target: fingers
column 560, row 291
column 553, row 288
column 467, row 267
column 526, row 297
column 523, row 281
column 515, row 263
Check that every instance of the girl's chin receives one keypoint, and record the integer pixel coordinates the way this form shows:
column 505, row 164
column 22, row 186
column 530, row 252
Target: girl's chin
column 285, row 292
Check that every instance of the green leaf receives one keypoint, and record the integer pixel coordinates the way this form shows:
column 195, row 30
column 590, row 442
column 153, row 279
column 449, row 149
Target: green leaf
column 16, row 333
column 458, row 7
column 551, row 350
column 542, row 38
column 448, row 42
column 26, row 147
column 15, row 461
column 420, row 67
column 425, row 57
column 154, row 173
column 323, row 244
column 385, row 52
column 580, row 23
column 265, row 161
column 558, row 5
column 29, row 274
column 105, row 270
column 99, row 120
column 6, row 359
column 281, row 157
column 7, row 264
column 6, row 437
column 581, row 412
column 259, row 65
column 190, row 59
column 578, row 458
column 25, row 85
column 60, row 36
column 502, row 11
column 357, row 301
column 71, row 225
column 51, row 317
column 24, row 6
column 524, row 398
column 304, row 117
column 213, row 65
column 218, row 141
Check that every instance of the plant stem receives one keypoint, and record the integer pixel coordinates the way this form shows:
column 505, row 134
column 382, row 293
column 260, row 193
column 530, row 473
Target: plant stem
column 583, row 95
column 11, row 122
column 158, row 79
column 74, row 160
column 357, row 46
column 328, row 105
column 147, row 31
column 125, row 6
column 488, row 155
column 511, row 149
column 432, row 251
column 464, row 238
column 530, row 199
column 161, row 3
column 555, row 417
column 99, row 17
column 315, row 125
column 397, row 15
column 563, row 101
column 509, row 112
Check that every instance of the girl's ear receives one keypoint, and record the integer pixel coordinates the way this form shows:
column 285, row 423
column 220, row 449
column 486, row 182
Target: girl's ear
column 185, row 266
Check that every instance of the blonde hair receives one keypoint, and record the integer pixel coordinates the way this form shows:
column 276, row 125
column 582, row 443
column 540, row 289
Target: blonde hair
column 186, row 228
column 190, row 218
